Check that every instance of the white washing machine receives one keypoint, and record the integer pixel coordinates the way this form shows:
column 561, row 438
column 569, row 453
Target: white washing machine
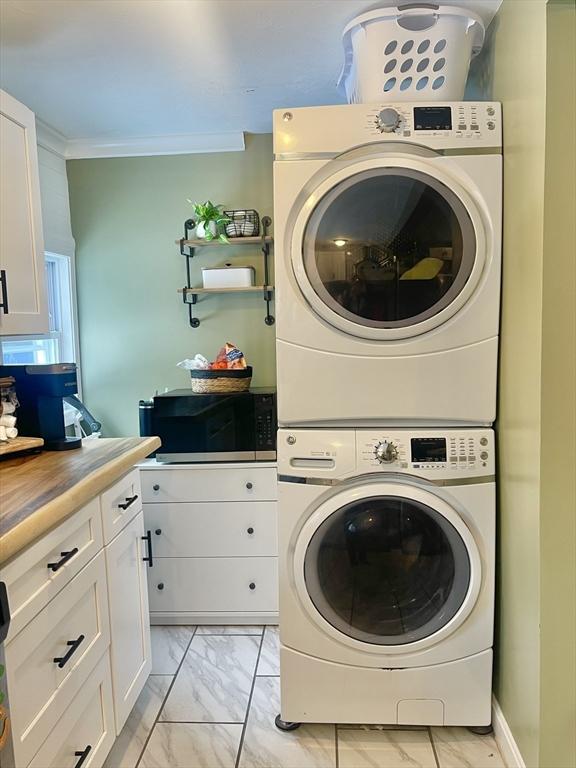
column 387, row 549
column 387, row 255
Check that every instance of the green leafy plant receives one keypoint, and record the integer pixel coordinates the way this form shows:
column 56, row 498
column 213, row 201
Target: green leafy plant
column 206, row 213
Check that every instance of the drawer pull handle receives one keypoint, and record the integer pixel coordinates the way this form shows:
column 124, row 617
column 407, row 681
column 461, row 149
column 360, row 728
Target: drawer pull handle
column 129, row 501
column 74, row 645
column 250, row 530
column 155, row 487
column 249, row 486
column 161, row 586
column 4, row 289
column 252, row 585
column 82, row 755
column 65, row 557
column 158, row 531
column 149, row 558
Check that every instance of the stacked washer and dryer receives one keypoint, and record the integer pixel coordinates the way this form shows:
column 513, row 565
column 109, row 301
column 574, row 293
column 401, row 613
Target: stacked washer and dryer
column 388, row 253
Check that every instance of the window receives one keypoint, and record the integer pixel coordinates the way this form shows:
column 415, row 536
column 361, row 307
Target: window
column 59, row 345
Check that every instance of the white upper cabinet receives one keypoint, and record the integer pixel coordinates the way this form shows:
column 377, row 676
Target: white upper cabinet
column 23, row 307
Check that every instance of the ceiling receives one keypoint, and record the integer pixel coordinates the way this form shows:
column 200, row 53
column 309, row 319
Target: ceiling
column 111, row 69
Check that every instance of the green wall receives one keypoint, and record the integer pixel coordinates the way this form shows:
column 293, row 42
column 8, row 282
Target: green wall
column 558, row 412
column 528, row 65
column 126, row 215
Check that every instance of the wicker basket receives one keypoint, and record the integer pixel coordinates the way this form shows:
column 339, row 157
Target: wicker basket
column 221, row 381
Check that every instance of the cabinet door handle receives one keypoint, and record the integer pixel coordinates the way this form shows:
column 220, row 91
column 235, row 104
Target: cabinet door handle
column 65, row 557
column 161, row 586
column 149, row 558
column 74, row 645
column 4, row 289
column 250, row 530
column 129, row 501
column 249, row 486
column 252, row 585
column 158, row 531
column 155, row 487
column 82, row 755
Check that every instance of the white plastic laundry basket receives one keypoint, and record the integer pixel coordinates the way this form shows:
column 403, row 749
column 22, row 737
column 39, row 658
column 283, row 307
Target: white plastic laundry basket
column 415, row 53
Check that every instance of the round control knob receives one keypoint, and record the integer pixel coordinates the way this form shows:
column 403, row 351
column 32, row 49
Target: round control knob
column 156, row 487
column 388, row 120
column 386, row 452
column 484, row 455
column 483, row 441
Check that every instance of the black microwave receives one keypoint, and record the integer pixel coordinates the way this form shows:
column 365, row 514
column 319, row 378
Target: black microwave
column 211, row 428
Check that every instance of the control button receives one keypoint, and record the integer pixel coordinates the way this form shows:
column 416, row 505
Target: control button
column 386, row 452
column 491, row 125
column 491, row 111
column 484, row 455
column 388, row 120
column 483, row 441
column 461, row 127
column 474, row 127
column 462, row 458
column 290, row 439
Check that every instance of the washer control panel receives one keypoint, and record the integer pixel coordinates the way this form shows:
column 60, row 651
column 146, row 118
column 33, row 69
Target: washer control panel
column 434, row 454
column 427, row 452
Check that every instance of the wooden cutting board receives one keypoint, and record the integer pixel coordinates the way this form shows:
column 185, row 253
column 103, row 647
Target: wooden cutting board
column 18, row 444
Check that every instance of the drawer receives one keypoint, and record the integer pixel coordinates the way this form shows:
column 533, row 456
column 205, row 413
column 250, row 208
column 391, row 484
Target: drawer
column 210, row 484
column 213, row 529
column 212, row 584
column 87, row 724
column 43, row 569
column 41, row 688
column 120, row 503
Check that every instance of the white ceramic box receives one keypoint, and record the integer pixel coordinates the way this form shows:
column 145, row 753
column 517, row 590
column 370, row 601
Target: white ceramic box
column 227, row 277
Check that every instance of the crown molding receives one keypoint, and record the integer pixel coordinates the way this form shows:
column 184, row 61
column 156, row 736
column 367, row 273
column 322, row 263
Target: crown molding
column 50, row 138
column 142, row 146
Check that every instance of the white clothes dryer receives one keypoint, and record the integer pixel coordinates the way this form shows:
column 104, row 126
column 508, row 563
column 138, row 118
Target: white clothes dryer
column 387, row 553
column 387, row 261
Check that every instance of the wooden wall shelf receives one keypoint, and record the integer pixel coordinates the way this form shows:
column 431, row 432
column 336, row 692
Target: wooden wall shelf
column 188, row 248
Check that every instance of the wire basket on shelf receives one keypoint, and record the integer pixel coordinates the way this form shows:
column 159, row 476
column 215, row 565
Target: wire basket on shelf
column 221, row 381
column 245, row 223
column 419, row 52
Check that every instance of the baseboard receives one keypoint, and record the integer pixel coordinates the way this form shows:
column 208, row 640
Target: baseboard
column 504, row 738
column 230, row 617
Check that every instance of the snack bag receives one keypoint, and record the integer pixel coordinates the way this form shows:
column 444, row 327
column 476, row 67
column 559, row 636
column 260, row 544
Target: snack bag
column 234, row 357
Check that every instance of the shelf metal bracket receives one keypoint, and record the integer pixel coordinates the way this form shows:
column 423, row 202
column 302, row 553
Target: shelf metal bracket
column 189, row 225
column 269, row 319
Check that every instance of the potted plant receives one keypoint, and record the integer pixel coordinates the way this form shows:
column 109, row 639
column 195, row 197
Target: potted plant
column 210, row 221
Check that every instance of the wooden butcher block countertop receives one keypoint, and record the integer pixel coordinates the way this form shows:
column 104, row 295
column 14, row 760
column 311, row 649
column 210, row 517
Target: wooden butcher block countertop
column 39, row 491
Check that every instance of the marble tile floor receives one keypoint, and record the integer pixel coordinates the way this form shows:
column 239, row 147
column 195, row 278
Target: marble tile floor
column 211, row 700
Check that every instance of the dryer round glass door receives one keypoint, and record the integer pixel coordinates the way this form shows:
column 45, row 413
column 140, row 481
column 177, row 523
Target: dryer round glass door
column 387, row 570
column 388, row 249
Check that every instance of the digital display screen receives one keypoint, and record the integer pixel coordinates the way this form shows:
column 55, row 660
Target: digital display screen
column 432, row 119
column 428, row 449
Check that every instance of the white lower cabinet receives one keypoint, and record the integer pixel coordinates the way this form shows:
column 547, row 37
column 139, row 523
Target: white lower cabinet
column 51, row 658
column 128, row 600
column 78, row 654
column 85, row 733
column 214, row 534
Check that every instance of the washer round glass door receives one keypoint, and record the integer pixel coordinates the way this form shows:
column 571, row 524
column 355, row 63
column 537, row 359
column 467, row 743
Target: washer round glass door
column 387, row 249
column 389, row 569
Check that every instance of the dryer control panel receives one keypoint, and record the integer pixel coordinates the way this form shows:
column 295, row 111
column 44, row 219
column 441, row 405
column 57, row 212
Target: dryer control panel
column 321, row 132
column 434, row 454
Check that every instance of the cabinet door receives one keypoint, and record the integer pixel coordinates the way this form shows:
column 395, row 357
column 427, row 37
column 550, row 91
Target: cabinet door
column 129, row 617
column 23, row 307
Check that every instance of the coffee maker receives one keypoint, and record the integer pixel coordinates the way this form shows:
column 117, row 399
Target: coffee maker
column 41, row 390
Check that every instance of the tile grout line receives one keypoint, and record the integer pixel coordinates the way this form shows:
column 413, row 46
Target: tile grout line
column 241, row 742
column 429, row 729
column 154, row 724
